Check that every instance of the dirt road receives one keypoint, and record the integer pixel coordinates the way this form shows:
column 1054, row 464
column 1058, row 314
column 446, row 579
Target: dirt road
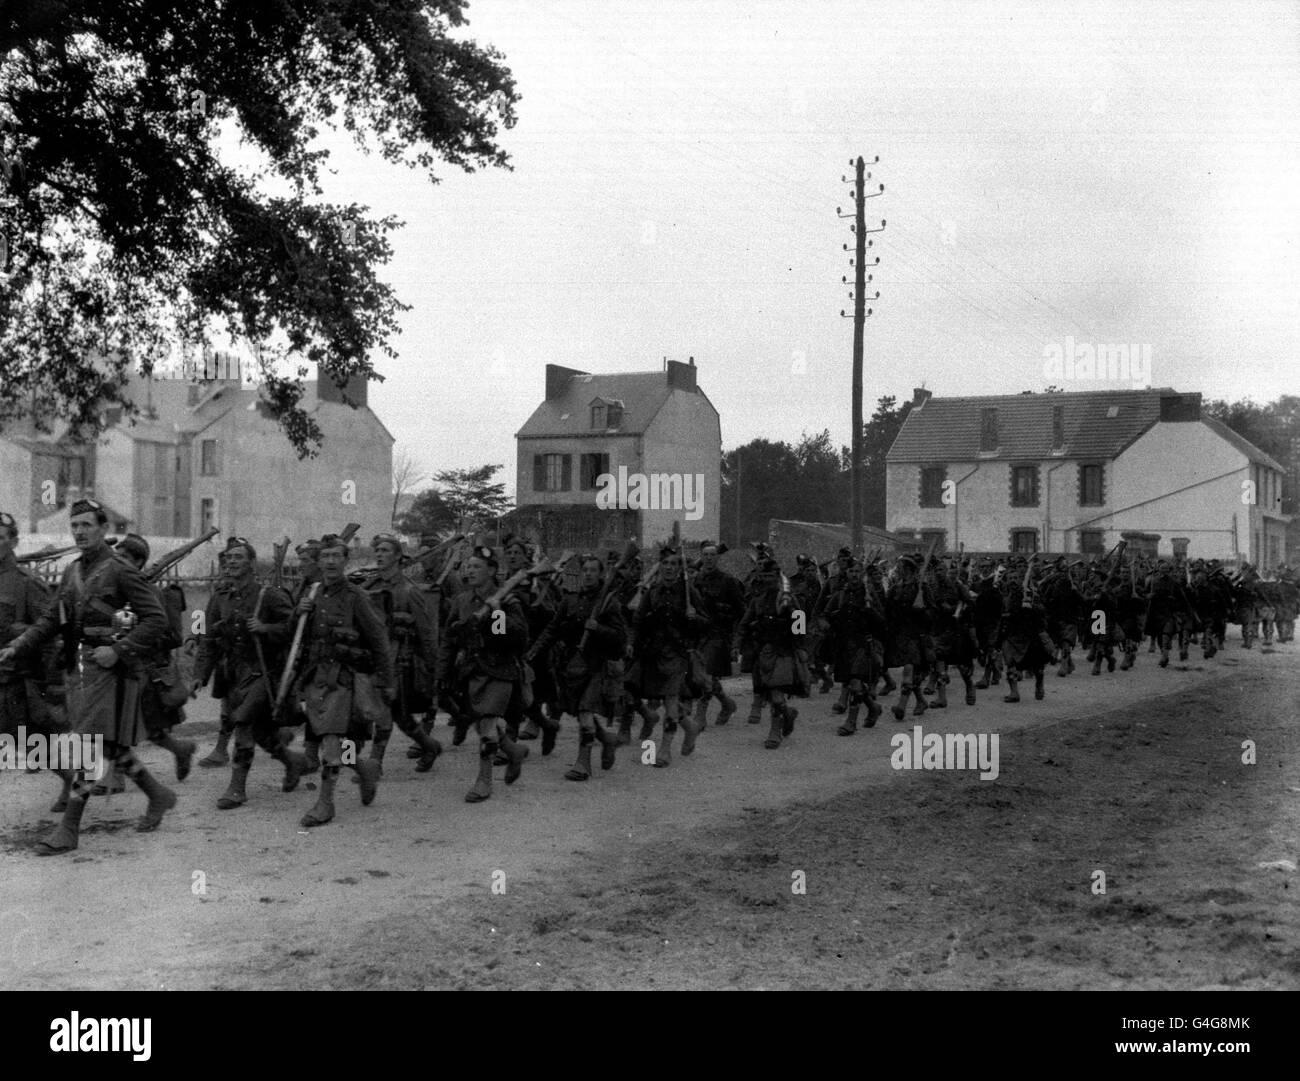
column 686, row 877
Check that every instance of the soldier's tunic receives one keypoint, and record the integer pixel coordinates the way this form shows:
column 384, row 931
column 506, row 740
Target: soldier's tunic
column 162, row 694
column 348, row 660
column 228, row 651
column 102, row 701
column 1064, row 606
column 591, row 681
column 1169, row 614
column 857, row 628
column 1026, row 645
column 485, row 669
column 775, row 653
column 411, row 622
column 664, row 636
column 910, row 639
column 24, row 598
column 724, row 604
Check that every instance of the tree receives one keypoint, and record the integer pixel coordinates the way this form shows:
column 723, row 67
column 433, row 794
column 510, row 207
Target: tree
column 878, row 435
column 122, row 234
column 406, row 475
column 460, row 494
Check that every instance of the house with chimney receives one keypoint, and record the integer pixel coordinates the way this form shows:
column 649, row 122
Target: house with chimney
column 1078, row 472
column 205, row 451
column 606, row 457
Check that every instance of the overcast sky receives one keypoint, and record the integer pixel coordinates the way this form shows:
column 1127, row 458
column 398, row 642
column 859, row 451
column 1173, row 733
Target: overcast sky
column 1115, row 173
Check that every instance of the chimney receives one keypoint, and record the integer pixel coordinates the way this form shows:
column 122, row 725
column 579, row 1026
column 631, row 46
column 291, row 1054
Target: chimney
column 919, row 397
column 1179, row 408
column 681, row 376
column 353, row 393
column 557, row 379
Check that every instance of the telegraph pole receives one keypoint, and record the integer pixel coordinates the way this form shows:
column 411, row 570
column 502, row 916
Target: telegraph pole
column 860, row 313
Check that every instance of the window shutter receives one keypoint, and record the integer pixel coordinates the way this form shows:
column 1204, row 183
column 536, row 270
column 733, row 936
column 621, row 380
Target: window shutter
column 566, row 473
column 539, row 473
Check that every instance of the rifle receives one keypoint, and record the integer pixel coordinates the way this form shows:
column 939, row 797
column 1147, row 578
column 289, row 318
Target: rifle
column 629, row 553
column 642, row 586
column 453, row 561
column 349, row 531
column 165, row 563
column 287, row 677
column 48, row 552
column 280, row 549
column 509, row 584
column 548, row 589
column 1025, row 587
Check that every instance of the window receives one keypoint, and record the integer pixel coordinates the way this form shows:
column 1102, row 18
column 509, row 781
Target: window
column 1024, row 541
column 207, row 514
column 598, row 414
column 932, row 479
column 1058, row 426
column 208, row 458
column 590, row 467
column 989, row 429
column 1024, row 486
column 1092, row 542
column 614, row 415
column 936, row 535
column 1092, row 485
column 552, row 472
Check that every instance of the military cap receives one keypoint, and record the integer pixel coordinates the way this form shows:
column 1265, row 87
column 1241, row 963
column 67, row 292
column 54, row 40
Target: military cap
column 135, row 546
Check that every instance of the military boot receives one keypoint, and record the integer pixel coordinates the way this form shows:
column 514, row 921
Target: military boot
column 581, row 769
column 692, row 733
column 755, row 711
column 183, row 751
column 295, row 765
column 482, row 788
column 368, row 773
column 379, row 748
column 921, row 705
column 900, row 707
column 1130, row 655
column 788, row 716
column 889, row 686
column 624, row 736
column 235, row 795
column 1012, row 694
column 64, row 836
column 1096, row 662
column 609, row 744
column 702, row 713
column 874, row 711
column 728, row 708
column 1038, row 685
column 843, row 703
column 220, row 755
column 983, row 682
column 161, row 798
column 774, row 736
column 664, row 751
column 850, row 724
column 515, row 756
column 970, row 688
column 941, row 695
column 429, row 749
column 324, row 810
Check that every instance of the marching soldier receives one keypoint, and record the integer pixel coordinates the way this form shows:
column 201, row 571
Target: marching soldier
column 308, row 553
column 219, row 756
column 1169, row 612
column 1063, row 604
column 540, row 699
column 480, row 660
column 589, row 637
column 835, row 581
column 908, row 604
column 111, row 620
column 1026, row 645
column 412, row 632
column 246, row 630
column 162, row 696
column 24, row 598
column 724, row 604
column 767, row 634
column 666, row 627
column 347, row 677
column 857, row 625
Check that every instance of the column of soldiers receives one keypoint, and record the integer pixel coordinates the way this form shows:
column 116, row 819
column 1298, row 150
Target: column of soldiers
column 491, row 638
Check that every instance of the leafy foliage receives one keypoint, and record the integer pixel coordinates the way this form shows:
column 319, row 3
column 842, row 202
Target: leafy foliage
column 126, row 234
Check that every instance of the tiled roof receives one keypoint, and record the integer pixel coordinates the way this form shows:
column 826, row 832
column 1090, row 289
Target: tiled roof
column 1242, row 444
column 948, row 429
column 642, row 394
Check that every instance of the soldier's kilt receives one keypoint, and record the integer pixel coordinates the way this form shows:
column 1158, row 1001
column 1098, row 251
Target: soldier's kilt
column 104, row 702
column 1027, row 654
column 856, row 661
column 779, row 670
column 716, row 652
column 914, row 649
column 586, row 691
column 660, row 676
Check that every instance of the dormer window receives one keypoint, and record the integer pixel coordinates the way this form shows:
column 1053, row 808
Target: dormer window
column 606, row 415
